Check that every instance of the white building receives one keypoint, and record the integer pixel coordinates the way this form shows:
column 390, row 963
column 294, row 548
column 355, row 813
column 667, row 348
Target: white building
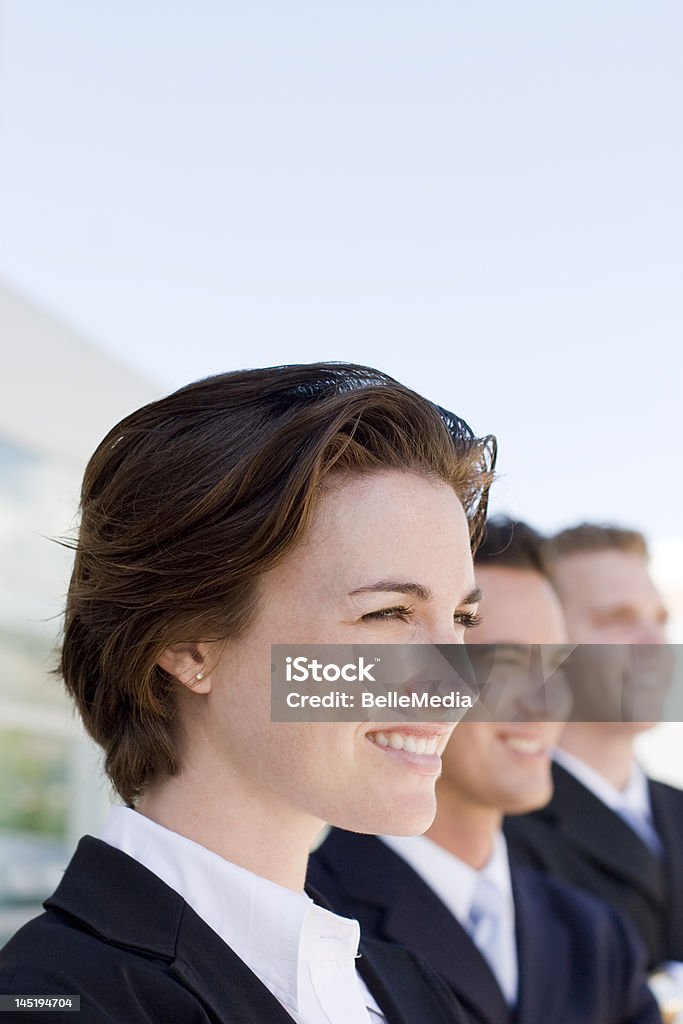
column 58, row 397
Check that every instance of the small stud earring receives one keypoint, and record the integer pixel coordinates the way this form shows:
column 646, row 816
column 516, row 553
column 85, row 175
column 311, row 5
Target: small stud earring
column 199, row 676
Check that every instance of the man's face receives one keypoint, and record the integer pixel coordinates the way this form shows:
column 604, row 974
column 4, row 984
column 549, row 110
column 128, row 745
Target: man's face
column 609, row 597
column 519, row 606
column 499, row 765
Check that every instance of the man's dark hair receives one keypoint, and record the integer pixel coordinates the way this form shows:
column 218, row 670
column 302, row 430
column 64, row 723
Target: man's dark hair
column 511, row 544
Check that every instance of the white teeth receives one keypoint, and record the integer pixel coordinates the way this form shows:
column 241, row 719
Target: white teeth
column 524, row 746
column 411, row 744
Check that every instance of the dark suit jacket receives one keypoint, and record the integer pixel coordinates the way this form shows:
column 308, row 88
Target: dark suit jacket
column 579, row 962
column 577, row 838
column 135, row 952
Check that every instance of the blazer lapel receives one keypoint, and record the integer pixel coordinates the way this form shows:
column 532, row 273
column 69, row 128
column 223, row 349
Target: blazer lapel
column 119, row 899
column 667, row 811
column 210, row 969
column 420, row 921
column 413, row 916
column 542, row 944
column 603, row 836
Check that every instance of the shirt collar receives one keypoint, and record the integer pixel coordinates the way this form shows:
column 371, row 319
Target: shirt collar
column 277, row 932
column 450, row 877
column 635, row 796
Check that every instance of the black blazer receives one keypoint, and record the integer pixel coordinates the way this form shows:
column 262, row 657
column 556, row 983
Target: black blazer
column 135, row 952
column 578, row 838
column 579, row 962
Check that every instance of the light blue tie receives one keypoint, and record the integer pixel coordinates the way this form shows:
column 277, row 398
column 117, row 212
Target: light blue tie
column 486, row 926
column 484, row 922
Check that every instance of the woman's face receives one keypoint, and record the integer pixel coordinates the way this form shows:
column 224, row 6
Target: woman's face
column 386, row 560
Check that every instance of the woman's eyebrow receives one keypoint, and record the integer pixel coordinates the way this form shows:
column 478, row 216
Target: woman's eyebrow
column 417, row 590
column 395, row 587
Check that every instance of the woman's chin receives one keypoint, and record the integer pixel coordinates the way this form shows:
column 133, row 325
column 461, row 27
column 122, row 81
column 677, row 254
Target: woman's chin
column 402, row 820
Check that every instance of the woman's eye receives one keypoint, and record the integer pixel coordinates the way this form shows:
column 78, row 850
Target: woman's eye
column 467, row 619
column 397, row 612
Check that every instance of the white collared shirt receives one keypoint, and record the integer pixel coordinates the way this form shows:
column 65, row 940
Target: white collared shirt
column 303, row 954
column 454, row 882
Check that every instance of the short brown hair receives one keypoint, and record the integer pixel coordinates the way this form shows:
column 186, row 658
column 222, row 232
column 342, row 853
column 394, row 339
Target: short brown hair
column 588, row 537
column 511, row 544
column 189, row 500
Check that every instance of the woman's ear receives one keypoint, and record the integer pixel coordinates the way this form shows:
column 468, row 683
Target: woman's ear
column 187, row 664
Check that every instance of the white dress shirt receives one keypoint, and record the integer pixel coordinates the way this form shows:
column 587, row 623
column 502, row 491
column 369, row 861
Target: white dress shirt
column 302, row 953
column 454, row 882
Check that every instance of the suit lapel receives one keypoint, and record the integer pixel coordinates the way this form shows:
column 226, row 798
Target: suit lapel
column 420, row 921
column 603, row 836
column 667, row 812
column 414, row 917
column 119, row 899
column 542, row 944
column 383, row 985
column 217, row 976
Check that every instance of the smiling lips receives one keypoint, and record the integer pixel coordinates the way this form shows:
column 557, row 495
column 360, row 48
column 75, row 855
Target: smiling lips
column 399, row 741
column 417, row 741
column 428, row 745
column 526, row 745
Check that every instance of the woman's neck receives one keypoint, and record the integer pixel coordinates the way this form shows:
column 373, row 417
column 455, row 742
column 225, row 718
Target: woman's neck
column 270, row 841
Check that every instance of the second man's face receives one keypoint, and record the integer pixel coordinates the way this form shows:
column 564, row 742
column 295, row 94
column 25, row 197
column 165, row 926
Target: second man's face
column 500, row 765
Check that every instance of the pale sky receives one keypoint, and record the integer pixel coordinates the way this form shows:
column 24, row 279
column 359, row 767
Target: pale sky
column 483, row 199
